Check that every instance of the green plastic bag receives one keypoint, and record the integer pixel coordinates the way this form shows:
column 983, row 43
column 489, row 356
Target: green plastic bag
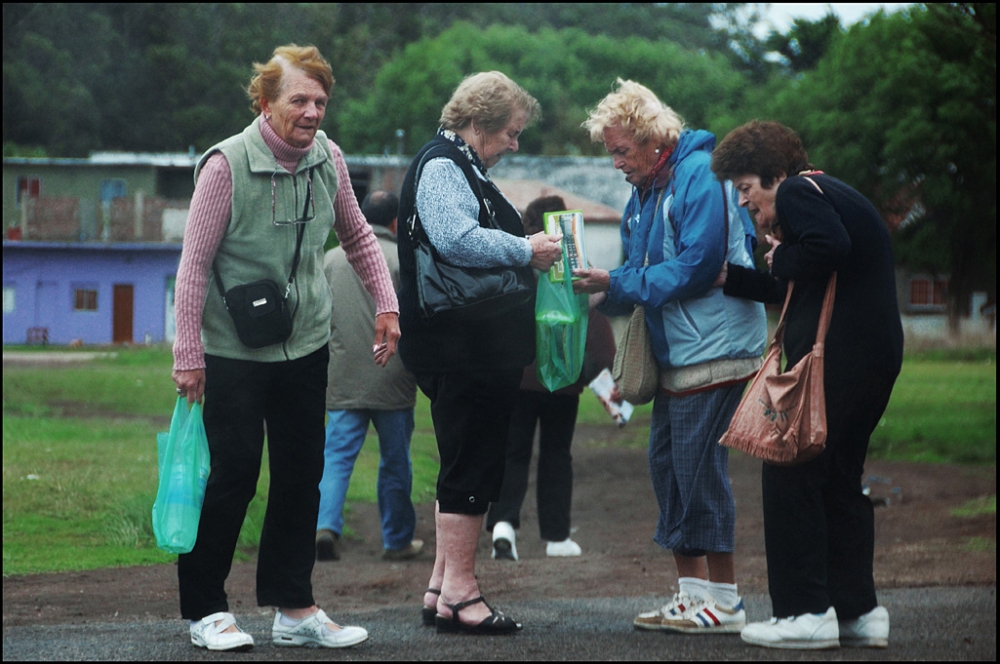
column 182, row 455
column 560, row 331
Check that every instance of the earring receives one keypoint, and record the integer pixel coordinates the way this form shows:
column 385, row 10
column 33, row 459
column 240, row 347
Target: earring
column 657, row 150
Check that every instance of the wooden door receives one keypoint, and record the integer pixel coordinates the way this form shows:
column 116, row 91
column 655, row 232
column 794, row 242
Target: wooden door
column 121, row 331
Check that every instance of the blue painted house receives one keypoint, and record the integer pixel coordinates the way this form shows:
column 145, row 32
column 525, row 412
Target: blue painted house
column 98, row 293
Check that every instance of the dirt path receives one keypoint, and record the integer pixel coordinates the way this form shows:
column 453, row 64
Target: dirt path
column 919, row 542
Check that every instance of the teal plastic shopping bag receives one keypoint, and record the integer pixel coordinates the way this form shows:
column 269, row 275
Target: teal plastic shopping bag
column 183, row 460
column 560, row 330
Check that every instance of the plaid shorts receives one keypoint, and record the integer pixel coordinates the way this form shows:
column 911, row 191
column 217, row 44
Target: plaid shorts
column 690, row 470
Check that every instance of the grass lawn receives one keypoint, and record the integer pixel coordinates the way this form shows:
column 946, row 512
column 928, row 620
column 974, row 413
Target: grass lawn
column 79, row 450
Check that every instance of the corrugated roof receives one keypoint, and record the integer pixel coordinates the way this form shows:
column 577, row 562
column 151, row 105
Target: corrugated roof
column 522, row 192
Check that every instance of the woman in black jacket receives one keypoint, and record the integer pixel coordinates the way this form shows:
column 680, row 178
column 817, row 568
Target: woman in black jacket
column 819, row 527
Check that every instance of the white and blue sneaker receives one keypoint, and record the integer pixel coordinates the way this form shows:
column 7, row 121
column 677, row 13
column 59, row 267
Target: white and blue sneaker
column 706, row 616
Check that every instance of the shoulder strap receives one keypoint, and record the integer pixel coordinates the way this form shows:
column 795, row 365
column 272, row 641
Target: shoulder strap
column 442, row 150
column 300, row 232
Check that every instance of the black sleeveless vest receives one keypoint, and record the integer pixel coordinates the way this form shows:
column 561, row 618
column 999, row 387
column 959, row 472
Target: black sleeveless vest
column 493, row 342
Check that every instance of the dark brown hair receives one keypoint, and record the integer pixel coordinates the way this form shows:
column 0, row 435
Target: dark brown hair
column 763, row 148
column 534, row 215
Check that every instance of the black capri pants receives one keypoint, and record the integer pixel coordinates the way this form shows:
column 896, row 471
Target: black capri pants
column 471, row 413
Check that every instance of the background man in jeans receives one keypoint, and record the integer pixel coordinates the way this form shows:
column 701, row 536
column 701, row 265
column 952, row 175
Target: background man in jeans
column 360, row 392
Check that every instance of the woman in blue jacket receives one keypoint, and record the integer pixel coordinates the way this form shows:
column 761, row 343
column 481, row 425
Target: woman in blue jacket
column 679, row 227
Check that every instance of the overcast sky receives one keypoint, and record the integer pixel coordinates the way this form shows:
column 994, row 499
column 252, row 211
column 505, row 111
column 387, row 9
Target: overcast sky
column 781, row 15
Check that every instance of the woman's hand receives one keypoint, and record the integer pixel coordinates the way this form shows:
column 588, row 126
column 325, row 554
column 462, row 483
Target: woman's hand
column 190, row 384
column 546, row 249
column 591, row 280
column 386, row 336
column 775, row 243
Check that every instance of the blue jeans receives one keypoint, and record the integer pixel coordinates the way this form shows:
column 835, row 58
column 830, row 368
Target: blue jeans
column 345, row 434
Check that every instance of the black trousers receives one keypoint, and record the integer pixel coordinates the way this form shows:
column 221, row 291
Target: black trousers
column 471, row 413
column 819, row 528
column 243, row 402
column 555, row 417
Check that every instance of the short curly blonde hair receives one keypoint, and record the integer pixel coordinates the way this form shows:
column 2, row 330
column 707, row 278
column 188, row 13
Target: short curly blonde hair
column 490, row 99
column 634, row 108
column 267, row 81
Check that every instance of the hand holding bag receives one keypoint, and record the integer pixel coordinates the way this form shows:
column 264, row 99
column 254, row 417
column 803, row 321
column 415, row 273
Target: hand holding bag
column 782, row 416
column 183, row 461
column 635, row 368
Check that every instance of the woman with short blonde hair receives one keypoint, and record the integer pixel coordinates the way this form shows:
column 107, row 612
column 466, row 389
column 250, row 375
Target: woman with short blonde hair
column 635, row 108
column 678, row 229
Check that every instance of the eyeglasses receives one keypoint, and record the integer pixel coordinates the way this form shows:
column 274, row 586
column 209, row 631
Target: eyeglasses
column 310, row 203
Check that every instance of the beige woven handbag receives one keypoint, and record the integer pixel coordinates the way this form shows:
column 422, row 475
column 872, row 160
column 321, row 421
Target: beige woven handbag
column 635, row 368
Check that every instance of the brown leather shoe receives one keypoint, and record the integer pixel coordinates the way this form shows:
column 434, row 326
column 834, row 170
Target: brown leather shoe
column 411, row 550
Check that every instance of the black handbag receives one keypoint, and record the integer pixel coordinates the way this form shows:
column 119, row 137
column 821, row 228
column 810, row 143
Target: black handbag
column 259, row 310
column 463, row 292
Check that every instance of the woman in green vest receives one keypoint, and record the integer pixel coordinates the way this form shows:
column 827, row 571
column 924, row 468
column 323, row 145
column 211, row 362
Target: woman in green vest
column 264, row 203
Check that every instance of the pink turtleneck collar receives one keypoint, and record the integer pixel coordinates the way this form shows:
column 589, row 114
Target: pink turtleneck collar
column 288, row 156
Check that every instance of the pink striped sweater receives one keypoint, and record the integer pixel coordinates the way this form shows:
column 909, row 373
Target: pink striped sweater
column 211, row 208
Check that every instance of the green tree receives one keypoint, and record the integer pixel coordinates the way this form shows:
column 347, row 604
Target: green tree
column 806, row 41
column 903, row 107
column 568, row 71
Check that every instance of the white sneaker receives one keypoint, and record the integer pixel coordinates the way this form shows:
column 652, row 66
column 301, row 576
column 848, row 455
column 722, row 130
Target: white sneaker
column 810, row 631
column 868, row 631
column 209, row 632
column 706, row 616
column 313, row 631
column 504, row 542
column 675, row 609
column 564, row 549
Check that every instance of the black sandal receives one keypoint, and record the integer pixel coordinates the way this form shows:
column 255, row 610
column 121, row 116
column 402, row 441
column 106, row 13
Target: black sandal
column 497, row 623
column 427, row 615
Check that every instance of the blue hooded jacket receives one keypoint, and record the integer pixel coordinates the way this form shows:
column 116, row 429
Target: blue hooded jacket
column 689, row 224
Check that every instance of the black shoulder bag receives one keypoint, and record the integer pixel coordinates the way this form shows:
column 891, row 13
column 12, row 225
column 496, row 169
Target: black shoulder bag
column 463, row 292
column 259, row 311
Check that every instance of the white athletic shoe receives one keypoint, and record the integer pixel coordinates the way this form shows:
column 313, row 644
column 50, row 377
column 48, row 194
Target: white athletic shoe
column 565, row 549
column 810, row 631
column 868, row 631
column 209, row 633
column 675, row 609
column 313, row 631
column 706, row 616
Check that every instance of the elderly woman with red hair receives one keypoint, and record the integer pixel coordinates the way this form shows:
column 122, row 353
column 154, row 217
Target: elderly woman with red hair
column 264, row 203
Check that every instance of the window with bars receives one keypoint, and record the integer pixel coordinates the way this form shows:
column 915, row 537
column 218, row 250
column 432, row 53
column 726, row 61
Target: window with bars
column 85, row 299
column 927, row 292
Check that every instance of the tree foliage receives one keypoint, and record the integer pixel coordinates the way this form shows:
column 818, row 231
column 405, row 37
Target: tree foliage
column 567, row 70
column 150, row 77
column 903, row 107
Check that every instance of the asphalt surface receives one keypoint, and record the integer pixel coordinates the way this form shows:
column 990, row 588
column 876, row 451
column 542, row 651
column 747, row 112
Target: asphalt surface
column 926, row 624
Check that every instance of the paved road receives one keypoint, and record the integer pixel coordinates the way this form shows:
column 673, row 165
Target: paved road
column 927, row 624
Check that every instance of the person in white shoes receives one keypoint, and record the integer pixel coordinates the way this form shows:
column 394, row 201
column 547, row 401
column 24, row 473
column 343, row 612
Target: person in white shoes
column 553, row 414
column 819, row 526
column 679, row 227
column 313, row 629
column 260, row 197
